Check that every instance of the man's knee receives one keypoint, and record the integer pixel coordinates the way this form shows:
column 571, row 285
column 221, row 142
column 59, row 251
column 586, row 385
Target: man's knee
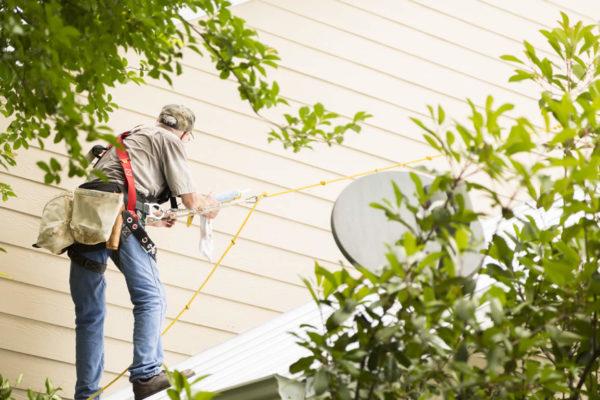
column 148, row 298
column 89, row 317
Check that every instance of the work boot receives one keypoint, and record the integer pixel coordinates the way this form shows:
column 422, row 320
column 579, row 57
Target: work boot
column 157, row 383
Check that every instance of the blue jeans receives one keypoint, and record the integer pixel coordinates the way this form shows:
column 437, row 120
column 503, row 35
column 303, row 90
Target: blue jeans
column 149, row 305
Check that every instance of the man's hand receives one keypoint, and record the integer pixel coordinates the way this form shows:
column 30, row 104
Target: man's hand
column 209, row 202
column 163, row 223
column 198, row 201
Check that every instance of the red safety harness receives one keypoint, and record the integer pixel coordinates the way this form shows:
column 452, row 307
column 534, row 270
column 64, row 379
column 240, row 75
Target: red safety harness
column 128, row 172
column 130, row 216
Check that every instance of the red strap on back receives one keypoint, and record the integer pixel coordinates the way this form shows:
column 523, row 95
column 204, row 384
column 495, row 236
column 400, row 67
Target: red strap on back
column 127, row 171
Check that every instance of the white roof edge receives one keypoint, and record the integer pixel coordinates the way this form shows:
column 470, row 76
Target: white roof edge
column 189, row 15
column 235, row 363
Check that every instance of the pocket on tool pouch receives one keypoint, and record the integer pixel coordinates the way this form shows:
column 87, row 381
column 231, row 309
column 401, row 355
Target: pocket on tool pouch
column 55, row 231
column 94, row 214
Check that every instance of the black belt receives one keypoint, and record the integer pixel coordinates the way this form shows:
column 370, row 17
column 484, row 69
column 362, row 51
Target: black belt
column 82, row 261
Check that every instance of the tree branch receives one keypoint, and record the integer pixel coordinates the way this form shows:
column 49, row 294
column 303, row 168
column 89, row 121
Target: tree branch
column 584, row 375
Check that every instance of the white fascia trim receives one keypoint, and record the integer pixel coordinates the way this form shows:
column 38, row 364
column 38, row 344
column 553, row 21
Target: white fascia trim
column 189, row 15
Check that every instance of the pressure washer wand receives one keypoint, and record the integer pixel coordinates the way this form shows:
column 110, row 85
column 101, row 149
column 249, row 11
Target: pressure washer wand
column 228, row 199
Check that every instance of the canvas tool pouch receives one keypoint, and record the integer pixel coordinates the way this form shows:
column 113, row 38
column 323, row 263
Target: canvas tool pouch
column 55, row 231
column 94, row 214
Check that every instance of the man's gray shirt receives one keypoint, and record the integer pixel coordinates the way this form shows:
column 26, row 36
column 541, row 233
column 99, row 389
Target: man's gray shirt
column 158, row 160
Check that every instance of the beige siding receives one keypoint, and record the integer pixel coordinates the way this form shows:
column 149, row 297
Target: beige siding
column 389, row 57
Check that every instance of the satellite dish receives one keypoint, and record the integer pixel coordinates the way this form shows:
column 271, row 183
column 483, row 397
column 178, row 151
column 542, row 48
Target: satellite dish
column 363, row 233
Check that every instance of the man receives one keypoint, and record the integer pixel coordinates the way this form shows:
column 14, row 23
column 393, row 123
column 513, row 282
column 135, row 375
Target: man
column 159, row 165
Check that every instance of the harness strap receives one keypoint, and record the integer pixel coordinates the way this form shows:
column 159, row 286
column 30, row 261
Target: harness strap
column 130, row 217
column 138, row 231
column 128, row 172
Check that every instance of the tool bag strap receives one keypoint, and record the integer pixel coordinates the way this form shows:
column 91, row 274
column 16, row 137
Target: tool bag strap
column 128, row 172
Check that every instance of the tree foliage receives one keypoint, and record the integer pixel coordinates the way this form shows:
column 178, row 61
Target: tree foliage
column 418, row 330
column 50, row 391
column 61, row 57
column 182, row 388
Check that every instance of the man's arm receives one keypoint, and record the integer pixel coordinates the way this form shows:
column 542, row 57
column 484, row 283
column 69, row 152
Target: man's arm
column 179, row 178
column 198, row 201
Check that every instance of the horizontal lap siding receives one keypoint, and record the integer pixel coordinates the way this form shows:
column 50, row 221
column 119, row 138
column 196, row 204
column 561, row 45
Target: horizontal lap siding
column 20, row 394
column 35, row 369
column 23, row 335
column 54, row 306
column 580, row 8
column 388, row 57
column 400, row 67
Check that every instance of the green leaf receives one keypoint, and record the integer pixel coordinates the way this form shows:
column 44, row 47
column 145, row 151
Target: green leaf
column 55, row 165
column 204, row 395
column 462, row 238
column 563, row 136
column 496, row 311
column 465, row 310
column 173, row 394
column 385, row 334
column 462, row 353
column 302, row 364
column 558, row 272
column 419, row 189
column 521, row 75
column 441, row 115
column 321, row 382
column 511, row 58
column 373, row 278
column 421, row 125
column 340, row 316
column 409, row 241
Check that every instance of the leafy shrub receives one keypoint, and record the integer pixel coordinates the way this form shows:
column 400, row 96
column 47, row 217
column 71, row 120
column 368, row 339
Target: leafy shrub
column 417, row 329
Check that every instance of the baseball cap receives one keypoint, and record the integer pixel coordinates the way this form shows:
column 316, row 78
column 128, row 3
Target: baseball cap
column 177, row 116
